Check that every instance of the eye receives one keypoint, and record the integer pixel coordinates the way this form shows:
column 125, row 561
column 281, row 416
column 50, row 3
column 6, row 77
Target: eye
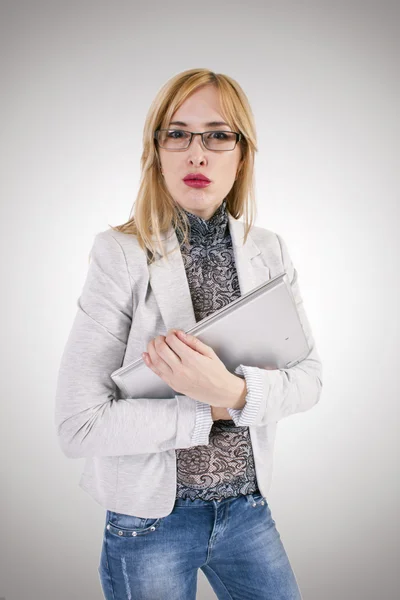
column 179, row 133
column 218, row 133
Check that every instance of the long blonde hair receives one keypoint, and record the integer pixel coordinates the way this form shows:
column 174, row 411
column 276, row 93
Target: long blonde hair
column 154, row 209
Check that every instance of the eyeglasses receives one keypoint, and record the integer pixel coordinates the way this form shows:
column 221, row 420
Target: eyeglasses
column 179, row 139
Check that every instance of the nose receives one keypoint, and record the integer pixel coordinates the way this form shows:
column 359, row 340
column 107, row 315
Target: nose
column 196, row 148
column 197, row 139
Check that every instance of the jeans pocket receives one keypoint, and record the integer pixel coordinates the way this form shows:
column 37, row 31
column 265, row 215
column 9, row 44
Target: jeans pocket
column 128, row 525
column 257, row 496
column 258, row 499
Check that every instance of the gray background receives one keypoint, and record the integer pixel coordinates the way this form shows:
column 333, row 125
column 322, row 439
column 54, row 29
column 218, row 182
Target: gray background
column 77, row 79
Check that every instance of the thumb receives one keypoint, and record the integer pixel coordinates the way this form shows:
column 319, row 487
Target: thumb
column 195, row 343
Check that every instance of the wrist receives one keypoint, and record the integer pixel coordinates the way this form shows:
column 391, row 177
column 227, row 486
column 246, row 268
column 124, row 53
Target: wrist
column 218, row 412
column 238, row 393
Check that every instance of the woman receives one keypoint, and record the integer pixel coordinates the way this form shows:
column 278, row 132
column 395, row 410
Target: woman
column 183, row 484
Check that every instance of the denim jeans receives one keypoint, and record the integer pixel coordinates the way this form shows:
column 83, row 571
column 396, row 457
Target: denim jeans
column 234, row 542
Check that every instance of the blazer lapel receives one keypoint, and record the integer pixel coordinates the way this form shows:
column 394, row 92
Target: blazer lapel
column 169, row 281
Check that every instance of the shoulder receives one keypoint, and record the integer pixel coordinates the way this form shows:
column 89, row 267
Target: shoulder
column 121, row 248
column 267, row 239
column 112, row 237
column 273, row 248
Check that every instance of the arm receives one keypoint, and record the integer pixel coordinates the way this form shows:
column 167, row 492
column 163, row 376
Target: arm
column 90, row 420
column 275, row 394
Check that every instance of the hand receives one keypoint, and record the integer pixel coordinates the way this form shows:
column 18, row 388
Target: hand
column 190, row 367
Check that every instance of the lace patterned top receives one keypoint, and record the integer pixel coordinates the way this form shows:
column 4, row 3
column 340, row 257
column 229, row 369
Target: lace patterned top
column 225, row 467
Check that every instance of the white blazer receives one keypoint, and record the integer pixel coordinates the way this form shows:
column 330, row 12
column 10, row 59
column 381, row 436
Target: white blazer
column 129, row 444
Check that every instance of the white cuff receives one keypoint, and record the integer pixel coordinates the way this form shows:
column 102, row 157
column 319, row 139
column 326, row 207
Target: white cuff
column 247, row 415
column 204, row 422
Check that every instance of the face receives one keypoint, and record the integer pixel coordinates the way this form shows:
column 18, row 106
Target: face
column 199, row 109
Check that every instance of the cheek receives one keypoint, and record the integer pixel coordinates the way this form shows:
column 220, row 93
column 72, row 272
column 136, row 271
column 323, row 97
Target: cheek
column 169, row 161
column 228, row 172
column 171, row 175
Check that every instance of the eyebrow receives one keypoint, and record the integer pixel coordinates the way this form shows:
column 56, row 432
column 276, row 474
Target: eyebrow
column 210, row 124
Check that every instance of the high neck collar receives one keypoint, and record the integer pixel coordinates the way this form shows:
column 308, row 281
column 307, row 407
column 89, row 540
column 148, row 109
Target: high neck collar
column 207, row 231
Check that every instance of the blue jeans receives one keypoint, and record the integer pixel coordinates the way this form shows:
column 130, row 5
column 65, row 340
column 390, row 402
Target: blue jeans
column 234, row 542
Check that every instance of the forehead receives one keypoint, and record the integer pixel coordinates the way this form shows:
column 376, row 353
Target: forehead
column 200, row 109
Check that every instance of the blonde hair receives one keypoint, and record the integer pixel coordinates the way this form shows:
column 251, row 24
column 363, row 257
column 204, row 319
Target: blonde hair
column 155, row 210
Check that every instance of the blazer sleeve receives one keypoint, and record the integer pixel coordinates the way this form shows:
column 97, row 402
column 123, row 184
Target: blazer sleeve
column 90, row 420
column 275, row 394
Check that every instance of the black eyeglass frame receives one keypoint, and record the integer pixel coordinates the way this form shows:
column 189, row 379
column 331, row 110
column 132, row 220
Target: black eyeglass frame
column 192, row 133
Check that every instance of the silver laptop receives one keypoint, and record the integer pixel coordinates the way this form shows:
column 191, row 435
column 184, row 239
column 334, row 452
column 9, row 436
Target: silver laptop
column 261, row 328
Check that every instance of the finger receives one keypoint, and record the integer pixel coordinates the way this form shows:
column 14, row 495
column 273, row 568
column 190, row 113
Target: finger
column 156, row 362
column 148, row 358
column 161, row 372
column 166, row 348
column 176, row 344
column 163, row 357
column 147, row 361
column 196, row 344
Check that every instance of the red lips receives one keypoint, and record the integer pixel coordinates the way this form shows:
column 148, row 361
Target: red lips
column 196, row 176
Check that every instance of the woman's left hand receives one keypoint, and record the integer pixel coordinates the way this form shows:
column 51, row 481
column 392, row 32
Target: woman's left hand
column 190, row 367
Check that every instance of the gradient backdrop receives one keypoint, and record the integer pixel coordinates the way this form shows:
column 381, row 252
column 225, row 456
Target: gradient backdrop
column 77, row 79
